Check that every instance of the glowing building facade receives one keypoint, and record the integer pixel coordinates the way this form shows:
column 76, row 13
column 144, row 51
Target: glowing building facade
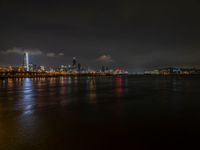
column 26, row 61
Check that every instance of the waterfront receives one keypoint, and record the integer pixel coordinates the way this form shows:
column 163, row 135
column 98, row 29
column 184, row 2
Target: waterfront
column 136, row 112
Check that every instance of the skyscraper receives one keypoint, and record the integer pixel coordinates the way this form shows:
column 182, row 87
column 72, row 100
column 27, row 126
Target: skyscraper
column 26, row 61
column 79, row 67
column 103, row 69
column 74, row 62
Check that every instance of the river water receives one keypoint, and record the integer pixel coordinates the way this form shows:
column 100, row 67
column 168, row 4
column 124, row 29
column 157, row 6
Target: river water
column 132, row 112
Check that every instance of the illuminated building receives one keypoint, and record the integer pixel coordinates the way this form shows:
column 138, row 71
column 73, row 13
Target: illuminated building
column 26, row 61
column 42, row 68
column 119, row 70
column 170, row 71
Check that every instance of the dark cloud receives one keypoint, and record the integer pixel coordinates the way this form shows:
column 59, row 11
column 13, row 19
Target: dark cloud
column 136, row 34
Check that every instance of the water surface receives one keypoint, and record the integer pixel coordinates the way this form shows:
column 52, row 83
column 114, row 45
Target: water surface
column 135, row 112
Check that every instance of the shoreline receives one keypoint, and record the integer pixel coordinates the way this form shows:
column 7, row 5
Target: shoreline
column 99, row 75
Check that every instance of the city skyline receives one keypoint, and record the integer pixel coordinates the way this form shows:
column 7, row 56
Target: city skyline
column 27, row 64
column 104, row 74
column 28, row 69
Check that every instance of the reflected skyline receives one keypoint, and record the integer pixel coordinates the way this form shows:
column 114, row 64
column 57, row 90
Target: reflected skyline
column 65, row 110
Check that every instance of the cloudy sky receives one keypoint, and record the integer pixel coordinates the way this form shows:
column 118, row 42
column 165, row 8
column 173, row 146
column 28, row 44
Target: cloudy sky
column 131, row 34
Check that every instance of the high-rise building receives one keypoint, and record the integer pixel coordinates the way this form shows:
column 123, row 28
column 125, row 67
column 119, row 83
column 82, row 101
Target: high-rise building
column 26, row 61
column 103, row 69
column 74, row 62
column 79, row 67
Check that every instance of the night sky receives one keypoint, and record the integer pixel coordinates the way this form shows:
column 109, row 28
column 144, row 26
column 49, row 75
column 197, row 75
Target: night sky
column 134, row 34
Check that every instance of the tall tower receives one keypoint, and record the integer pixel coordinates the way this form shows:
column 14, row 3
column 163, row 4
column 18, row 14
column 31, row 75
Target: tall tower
column 79, row 67
column 26, row 61
column 74, row 62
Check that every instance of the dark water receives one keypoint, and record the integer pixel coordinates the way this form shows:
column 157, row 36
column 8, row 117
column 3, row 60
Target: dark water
column 99, row 113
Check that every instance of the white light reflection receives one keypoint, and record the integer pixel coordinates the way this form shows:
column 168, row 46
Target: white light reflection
column 27, row 96
column 69, row 80
column 27, row 123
